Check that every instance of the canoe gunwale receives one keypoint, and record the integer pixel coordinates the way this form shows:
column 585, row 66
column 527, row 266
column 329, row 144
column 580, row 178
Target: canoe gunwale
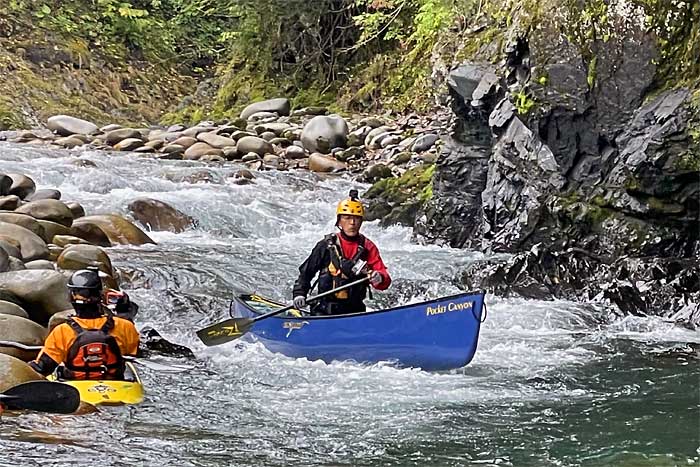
column 241, row 298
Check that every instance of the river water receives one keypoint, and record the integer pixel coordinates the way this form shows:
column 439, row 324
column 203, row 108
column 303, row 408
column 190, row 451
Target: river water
column 552, row 384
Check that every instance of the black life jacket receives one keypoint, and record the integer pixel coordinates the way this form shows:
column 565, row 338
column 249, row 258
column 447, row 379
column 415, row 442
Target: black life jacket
column 339, row 272
column 94, row 354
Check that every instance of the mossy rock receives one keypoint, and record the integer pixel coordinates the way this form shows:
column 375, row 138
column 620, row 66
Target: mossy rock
column 398, row 200
column 410, row 184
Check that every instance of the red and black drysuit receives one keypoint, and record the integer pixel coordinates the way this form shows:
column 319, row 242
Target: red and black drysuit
column 333, row 258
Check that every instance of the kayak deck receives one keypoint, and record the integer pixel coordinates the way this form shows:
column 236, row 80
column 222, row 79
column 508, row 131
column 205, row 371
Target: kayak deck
column 109, row 392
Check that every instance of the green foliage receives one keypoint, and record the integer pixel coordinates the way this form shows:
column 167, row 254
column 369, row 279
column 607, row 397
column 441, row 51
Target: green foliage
column 399, row 34
column 523, row 102
column 119, row 27
column 689, row 161
column 588, row 22
column 592, row 72
column 10, row 119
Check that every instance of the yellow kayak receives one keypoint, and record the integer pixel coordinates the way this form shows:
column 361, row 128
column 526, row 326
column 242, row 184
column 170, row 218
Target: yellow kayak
column 109, row 392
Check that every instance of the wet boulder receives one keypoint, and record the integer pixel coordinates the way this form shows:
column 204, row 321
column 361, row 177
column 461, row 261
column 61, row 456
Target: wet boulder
column 294, row 152
column 44, row 193
column 65, row 240
column 9, row 308
column 23, row 331
column 215, row 140
column 373, row 133
column 11, row 247
column 9, row 203
column 280, row 106
column 23, row 220
column 40, row 264
column 197, row 150
column 129, row 144
column 76, row 257
column 323, row 163
column 66, row 125
column 185, row 141
column 116, row 136
column 14, row 371
column 31, row 245
column 259, row 146
column 115, row 229
column 324, row 133
column 42, row 292
column 159, row 215
column 52, row 229
column 69, row 142
column 424, row 142
column 5, row 184
column 48, row 209
column 76, row 209
column 22, row 185
column 4, row 260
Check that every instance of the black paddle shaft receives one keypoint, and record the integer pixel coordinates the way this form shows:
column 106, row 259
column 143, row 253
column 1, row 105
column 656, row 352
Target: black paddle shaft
column 233, row 328
column 310, row 299
column 41, row 396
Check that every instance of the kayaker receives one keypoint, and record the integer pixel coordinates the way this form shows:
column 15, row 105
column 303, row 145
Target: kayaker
column 340, row 259
column 121, row 305
column 91, row 345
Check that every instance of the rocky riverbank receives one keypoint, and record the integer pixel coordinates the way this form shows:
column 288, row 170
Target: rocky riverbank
column 267, row 135
column 43, row 239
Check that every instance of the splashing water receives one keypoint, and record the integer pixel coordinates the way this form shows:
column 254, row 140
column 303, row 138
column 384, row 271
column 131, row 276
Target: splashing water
column 552, row 384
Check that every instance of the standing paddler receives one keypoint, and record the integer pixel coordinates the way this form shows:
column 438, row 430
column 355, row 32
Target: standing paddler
column 339, row 259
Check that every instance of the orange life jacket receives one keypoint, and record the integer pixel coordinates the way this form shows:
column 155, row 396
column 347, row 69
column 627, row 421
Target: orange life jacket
column 94, row 354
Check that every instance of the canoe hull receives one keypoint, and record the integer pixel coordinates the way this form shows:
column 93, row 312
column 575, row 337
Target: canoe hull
column 110, row 392
column 440, row 334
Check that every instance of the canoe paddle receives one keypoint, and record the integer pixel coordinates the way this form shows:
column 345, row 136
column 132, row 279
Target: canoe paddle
column 147, row 363
column 233, row 328
column 41, row 396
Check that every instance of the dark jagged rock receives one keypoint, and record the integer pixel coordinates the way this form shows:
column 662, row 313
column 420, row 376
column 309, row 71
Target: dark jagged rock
column 152, row 341
column 555, row 153
column 454, row 214
column 668, row 287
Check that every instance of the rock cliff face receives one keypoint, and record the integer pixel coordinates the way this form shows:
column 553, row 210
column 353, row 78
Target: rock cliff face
column 576, row 145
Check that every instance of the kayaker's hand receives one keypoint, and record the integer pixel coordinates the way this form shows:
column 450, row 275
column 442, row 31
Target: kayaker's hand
column 375, row 278
column 299, row 302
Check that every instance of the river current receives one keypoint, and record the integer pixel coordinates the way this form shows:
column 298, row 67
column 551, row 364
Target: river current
column 553, row 383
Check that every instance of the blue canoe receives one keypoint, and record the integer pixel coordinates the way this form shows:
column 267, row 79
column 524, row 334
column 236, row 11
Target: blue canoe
column 439, row 334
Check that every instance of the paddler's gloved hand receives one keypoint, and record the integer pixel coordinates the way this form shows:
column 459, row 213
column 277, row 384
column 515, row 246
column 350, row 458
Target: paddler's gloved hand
column 375, row 278
column 299, row 302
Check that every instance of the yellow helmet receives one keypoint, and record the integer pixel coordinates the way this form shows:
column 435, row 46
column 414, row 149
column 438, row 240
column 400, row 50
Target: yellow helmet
column 351, row 206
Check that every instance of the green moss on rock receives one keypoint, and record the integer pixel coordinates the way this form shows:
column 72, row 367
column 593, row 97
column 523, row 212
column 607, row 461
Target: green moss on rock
column 397, row 200
column 410, row 184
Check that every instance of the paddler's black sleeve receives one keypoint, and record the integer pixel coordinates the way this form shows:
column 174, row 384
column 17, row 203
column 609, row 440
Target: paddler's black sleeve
column 44, row 365
column 309, row 268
